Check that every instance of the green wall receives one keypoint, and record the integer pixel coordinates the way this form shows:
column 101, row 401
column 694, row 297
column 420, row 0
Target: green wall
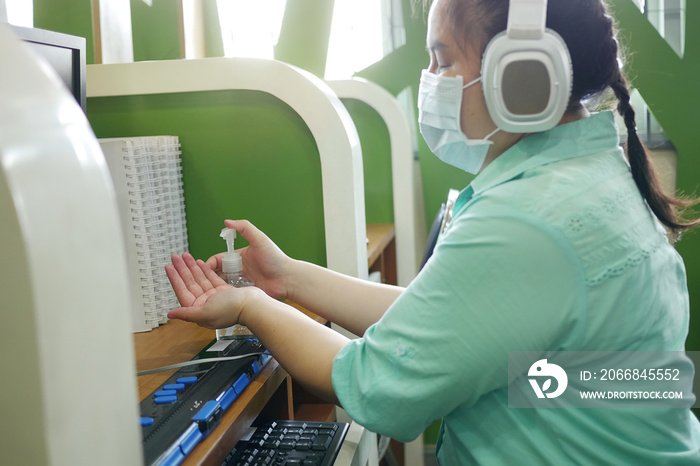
column 669, row 85
column 244, row 155
column 69, row 17
column 155, row 30
column 376, row 161
column 156, row 34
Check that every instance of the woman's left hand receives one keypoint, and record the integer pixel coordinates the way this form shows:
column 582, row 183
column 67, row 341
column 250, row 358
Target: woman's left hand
column 206, row 299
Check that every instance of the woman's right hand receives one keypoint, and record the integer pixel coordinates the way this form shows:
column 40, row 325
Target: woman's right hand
column 263, row 261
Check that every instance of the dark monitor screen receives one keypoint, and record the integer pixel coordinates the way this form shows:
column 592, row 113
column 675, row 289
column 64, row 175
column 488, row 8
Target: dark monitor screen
column 65, row 53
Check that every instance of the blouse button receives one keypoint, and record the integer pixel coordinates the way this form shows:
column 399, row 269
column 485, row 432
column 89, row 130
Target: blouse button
column 400, row 349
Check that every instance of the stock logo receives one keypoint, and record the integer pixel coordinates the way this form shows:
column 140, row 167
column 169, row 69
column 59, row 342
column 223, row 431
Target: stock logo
column 542, row 369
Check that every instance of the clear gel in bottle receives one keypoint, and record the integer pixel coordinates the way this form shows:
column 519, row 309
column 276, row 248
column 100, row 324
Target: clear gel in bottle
column 232, row 271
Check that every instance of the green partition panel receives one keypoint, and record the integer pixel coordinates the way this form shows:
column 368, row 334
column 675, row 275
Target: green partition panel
column 245, row 154
column 376, row 161
column 155, row 30
column 69, row 17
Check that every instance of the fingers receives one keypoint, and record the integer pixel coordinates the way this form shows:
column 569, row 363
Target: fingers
column 246, row 229
column 209, row 274
column 188, row 279
column 186, row 275
column 197, row 273
column 214, row 262
column 192, row 274
column 191, row 278
column 184, row 296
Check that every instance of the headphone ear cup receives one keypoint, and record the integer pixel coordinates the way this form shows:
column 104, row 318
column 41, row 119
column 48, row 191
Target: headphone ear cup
column 526, row 82
column 525, row 87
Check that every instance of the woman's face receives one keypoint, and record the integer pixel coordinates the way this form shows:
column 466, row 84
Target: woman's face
column 447, row 58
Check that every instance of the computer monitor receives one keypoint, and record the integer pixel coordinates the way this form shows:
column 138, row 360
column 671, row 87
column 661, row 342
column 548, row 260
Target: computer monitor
column 65, row 53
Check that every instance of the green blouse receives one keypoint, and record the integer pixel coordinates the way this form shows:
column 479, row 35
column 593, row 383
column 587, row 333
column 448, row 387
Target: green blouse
column 551, row 248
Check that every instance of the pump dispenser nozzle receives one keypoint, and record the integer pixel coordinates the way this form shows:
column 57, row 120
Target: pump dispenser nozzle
column 231, row 262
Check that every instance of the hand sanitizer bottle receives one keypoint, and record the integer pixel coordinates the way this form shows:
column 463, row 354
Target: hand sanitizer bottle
column 232, row 269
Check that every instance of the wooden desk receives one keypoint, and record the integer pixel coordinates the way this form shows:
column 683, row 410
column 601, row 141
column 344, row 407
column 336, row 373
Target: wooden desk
column 381, row 251
column 174, row 342
column 179, row 341
column 272, row 391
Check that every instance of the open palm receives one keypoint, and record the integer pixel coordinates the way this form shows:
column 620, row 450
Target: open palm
column 206, row 298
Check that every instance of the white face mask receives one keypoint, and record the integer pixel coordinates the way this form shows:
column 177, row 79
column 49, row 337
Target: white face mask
column 439, row 111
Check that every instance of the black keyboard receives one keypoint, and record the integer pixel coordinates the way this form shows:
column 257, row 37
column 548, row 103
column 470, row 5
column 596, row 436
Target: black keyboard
column 280, row 443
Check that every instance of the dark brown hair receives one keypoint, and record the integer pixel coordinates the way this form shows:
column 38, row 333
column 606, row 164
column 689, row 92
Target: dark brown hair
column 590, row 35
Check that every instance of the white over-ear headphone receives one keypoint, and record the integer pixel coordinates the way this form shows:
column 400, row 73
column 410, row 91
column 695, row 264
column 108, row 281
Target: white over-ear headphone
column 526, row 71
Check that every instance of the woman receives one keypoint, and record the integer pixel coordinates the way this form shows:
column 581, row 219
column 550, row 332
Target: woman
column 551, row 248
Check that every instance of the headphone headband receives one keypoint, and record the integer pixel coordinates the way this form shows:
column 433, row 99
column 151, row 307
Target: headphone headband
column 527, row 19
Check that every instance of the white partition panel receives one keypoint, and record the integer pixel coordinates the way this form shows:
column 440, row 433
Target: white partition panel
column 68, row 396
column 322, row 111
column 409, row 218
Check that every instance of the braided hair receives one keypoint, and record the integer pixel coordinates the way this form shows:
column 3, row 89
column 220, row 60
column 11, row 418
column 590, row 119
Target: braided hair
column 590, row 35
